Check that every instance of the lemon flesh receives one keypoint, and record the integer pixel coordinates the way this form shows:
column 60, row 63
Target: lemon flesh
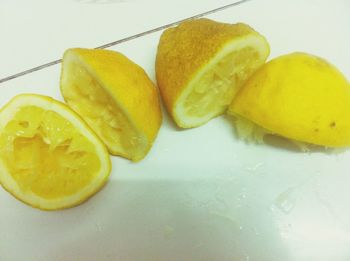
column 48, row 156
column 201, row 64
column 249, row 131
column 86, row 96
column 298, row 96
column 115, row 100
column 211, row 92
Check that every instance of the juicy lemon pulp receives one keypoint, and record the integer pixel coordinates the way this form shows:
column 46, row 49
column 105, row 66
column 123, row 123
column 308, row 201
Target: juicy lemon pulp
column 46, row 155
column 249, row 131
column 88, row 98
column 215, row 89
column 253, row 133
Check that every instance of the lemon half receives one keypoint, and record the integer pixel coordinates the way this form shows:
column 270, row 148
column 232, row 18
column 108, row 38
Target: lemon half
column 298, row 96
column 115, row 97
column 49, row 158
column 201, row 64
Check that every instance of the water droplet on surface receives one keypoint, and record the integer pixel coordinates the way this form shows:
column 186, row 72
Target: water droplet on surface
column 198, row 245
column 224, row 216
column 254, row 168
column 168, row 231
column 285, row 230
column 256, row 232
column 286, row 200
column 98, row 227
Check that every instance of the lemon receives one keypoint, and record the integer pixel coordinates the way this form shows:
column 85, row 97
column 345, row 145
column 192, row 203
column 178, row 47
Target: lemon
column 49, row 158
column 298, row 96
column 201, row 64
column 115, row 97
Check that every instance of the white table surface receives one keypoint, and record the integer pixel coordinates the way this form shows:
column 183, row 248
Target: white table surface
column 200, row 194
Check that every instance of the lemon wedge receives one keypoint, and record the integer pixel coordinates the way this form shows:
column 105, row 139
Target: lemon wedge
column 49, row 158
column 115, row 97
column 201, row 64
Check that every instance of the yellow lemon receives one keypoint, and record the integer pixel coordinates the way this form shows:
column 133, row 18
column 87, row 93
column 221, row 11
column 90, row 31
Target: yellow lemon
column 201, row 64
column 298, row 96
column 49, row 158
column 115, row 97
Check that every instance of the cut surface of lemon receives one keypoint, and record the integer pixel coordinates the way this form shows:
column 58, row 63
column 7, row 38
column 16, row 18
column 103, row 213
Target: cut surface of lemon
column 49, row 158
column 201, row 64
column 299, row 96
column 115, row 97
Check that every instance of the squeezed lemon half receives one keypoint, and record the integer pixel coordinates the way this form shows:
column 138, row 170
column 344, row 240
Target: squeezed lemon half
column 299, row 96
column 115, row 97
column 49, row 158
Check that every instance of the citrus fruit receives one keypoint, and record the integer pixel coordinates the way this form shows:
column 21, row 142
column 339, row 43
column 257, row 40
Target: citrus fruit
column 298, row 96
column 115, row 97
column 49, row 158
column 201, row 64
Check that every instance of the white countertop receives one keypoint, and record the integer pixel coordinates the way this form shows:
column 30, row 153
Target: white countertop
column 200, row 194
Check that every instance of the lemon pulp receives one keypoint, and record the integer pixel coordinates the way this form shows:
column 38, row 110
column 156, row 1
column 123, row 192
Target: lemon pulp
column 44, row 153
column 214, row 90
column 87, row 97
column 249, row 131
column 253, row 133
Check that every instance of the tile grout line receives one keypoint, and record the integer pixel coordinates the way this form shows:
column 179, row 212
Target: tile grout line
column 129, row 38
